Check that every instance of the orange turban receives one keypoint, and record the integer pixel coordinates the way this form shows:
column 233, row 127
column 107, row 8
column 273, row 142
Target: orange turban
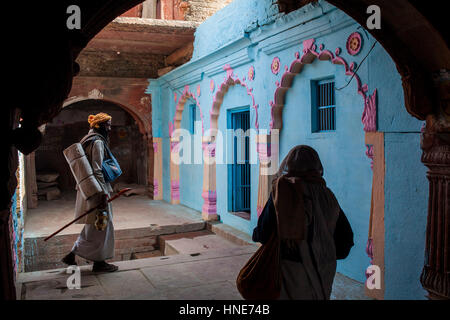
column 98, row 118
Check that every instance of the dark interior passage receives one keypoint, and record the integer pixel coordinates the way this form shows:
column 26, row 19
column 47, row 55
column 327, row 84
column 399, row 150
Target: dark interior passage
column 126, row 143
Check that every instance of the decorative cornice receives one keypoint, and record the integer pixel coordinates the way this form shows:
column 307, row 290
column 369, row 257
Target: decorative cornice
column 234, row 54
column 301, row 32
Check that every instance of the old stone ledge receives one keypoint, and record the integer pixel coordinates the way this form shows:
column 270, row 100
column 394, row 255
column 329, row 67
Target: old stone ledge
column 151, row 25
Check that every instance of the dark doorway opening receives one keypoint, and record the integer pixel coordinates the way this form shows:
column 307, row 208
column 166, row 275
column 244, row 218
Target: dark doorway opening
column 126, row 143
column 239, row 170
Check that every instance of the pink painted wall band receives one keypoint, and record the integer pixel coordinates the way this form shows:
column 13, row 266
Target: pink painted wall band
column 175, row 189
column 264, row 151
column 155, row 187
column 259, row 210
column 210, row 202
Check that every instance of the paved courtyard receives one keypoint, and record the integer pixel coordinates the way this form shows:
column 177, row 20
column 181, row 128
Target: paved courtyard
column 209, row 275
column 198, row 262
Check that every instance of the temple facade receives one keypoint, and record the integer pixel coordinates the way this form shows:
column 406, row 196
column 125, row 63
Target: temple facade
column 313, row 76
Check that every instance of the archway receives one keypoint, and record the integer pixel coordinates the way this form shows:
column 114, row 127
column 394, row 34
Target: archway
column 53, row 174
column 175, row 143
column 417, row 73
column 209, row 210
column 126, row 141
column 130, row 95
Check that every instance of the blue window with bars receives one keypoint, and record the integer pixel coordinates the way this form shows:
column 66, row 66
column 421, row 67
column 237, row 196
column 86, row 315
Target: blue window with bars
column 323, row 106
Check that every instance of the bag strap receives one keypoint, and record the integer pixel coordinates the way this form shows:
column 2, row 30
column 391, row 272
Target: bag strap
column 91, row 137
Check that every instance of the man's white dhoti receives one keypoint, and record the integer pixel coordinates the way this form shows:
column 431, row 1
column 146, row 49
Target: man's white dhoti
column 95, row 245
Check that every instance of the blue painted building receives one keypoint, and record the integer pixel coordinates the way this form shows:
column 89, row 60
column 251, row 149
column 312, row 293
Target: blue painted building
column 320, row 79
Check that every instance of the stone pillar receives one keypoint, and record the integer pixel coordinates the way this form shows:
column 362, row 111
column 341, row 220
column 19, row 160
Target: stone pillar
column 435, row 277
column 149, row 9
column 268, row 166
column 157, row 169
column 209, row 209
column 175, row 170
column 375, row 246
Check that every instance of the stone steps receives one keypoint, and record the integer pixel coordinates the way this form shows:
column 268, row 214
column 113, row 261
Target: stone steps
column 193, row 243
column 130, row 244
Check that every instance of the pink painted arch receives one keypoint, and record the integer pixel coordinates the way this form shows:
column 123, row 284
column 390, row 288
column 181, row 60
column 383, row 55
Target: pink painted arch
column 229, row 81
column 369, row 115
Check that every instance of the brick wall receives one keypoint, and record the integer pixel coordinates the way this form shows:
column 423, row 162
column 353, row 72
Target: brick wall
column 124, row 64
column 189, row 10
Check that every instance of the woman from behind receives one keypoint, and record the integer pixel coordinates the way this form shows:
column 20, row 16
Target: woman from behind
column 303, row 212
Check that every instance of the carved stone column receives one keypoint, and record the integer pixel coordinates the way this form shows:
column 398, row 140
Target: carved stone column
column 435, row 277
column 157, row 169
column 175, row 170
column 267, row 147
column 209, row 209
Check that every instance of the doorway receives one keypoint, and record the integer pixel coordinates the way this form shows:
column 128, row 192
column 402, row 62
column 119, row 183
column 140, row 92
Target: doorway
column 239, row 169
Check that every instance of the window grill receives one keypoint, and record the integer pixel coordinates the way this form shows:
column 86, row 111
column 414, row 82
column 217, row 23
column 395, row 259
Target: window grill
column 325, row 106
column 239, row 170
column 192, row 112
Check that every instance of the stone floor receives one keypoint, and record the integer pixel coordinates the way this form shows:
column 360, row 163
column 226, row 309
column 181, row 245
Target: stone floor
column 138, row 223
column 129, row 213
column 201, row 266
column 208, row 275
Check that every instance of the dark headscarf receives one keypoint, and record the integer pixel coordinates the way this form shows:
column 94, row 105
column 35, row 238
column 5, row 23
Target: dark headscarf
column 302, row 163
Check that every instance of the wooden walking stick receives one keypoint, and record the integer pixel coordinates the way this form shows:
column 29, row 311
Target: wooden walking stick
column 121, row 192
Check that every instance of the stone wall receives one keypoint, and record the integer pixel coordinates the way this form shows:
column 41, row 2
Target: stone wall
column 119, row 64
column 200, row 10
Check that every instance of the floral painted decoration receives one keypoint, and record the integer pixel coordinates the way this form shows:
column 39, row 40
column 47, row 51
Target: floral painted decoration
column 175, row 96
column 275, row 66
column 211, row 85
column 198, row 91
column 354, row 43
column 251, row 73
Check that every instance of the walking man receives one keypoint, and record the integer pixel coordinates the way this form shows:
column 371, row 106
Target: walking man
column 93, row 243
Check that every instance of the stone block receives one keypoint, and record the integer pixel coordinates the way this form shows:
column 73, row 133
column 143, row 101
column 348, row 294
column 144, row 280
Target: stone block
column 47, row 177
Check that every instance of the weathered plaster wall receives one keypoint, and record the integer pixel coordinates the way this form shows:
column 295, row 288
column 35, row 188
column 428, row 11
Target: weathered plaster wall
column 191, row 182
column 405, row 217
column 238, row 18
column 255, row 34
column 167, row 105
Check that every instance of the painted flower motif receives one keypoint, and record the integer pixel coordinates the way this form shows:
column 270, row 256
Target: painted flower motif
column 175, row 96
column 251, row 73
column 198, row 91
column 211, row 85
column 354, row 43
column 275, row 65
